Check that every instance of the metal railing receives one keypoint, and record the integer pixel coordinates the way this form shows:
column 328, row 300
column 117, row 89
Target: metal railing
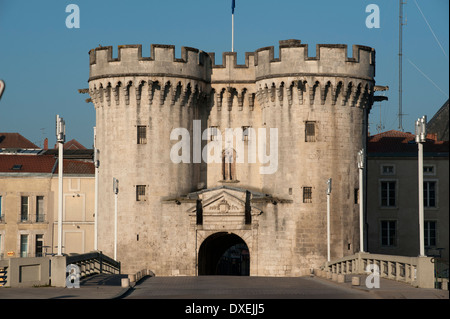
column 94, row 262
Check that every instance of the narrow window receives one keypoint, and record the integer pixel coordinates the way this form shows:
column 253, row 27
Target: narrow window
column 1, row 211
column 388, row 194
column 24, row 208
column 39, row 245
column 140, row 193
column 429, row 194
column 307, row 194
column 356, row 196
column 39, row 209
column 141, row 134
column 213, row 130
column 388, row 232
column 310, row 132
column 428, row 170
column 430, row 233
column 23, row 245
column 229, row 165
column 245, row 133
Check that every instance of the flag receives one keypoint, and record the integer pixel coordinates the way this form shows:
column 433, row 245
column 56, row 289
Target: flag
column 233, row 4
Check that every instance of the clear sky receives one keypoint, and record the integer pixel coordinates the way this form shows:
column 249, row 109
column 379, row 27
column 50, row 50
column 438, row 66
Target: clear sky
column 44, row 63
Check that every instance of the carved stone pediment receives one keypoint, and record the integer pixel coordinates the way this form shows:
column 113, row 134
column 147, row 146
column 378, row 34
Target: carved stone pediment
column 223, row 202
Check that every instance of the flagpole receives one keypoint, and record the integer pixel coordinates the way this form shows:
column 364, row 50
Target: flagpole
column 232, row 32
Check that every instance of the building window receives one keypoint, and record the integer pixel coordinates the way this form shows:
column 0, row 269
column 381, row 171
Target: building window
column 140, row 193
column 24, row 208
column 39, row 209
column 214, row 133
column 388, row 232
column 307, row 194
column 388, row 194
column 428, row 170
column 430, row 233
column 141, row 134
column 229, row 165
column 39, row 245
column 356, row 196
column 1, row 211
column 310, row 132
column 387, row 170
column 246, row 133
column 23, row 245
column 429, row 194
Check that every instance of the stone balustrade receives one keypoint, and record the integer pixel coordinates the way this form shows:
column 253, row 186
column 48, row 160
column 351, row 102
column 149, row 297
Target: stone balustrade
column 417, row 271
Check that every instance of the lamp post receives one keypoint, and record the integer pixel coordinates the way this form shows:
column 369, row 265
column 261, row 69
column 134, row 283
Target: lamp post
column 361, row 199
column 421, row 137
column 60, row 138
column 116, row 193
column 328, row 218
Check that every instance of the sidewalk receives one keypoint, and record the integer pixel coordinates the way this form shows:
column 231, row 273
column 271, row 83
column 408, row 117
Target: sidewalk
column 391, row 289
column 95, row 287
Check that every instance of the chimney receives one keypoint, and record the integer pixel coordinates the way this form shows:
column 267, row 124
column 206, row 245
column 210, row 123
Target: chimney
column 46, row 144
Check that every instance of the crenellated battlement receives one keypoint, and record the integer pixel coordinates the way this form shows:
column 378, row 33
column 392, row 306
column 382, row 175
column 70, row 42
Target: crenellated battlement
column 330, row 60
column 193, row 64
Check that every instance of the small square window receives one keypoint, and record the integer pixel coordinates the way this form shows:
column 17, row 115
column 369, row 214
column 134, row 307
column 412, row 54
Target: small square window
column 428, row 169
column 307, row 194
column 141, row 134
column 388, row 170
column 310, row 132
column 140, row 193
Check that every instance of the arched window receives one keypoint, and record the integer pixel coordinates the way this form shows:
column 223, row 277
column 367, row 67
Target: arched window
column 229, row 164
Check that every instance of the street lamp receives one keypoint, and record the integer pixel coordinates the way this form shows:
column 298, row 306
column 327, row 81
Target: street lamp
column 421, row 137
column 328, row 218
column 96, row 165
column 116, row 192
column 60, row 138
column 361, row 158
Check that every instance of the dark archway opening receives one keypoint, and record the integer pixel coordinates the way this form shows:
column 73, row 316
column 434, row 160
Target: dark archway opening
column 224, row 254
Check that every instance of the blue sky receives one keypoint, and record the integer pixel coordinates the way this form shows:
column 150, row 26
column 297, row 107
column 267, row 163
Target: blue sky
column 44, row 63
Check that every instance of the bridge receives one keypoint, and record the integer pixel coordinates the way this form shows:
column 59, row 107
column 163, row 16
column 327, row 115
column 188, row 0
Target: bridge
column 97, row 269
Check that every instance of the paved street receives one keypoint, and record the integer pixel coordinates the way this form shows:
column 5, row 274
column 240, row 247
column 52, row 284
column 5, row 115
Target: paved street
column 231, row 287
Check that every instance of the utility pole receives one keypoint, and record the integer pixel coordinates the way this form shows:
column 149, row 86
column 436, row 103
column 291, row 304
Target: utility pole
column 60, row 138
column 421, row 137
column 400, row 68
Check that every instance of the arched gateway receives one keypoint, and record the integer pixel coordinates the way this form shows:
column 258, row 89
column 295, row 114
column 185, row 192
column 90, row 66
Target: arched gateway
column 224, row 254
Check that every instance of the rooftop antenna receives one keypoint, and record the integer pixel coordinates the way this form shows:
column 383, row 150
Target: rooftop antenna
column 400, row 68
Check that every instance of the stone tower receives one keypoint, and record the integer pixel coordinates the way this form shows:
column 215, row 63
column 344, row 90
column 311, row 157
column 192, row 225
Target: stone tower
column 179, row 218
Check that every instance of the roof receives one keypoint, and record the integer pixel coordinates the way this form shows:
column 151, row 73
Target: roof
column 439, row 123
column 396, row 143
column 72, row 145
column 43, row 164
column 15, row 140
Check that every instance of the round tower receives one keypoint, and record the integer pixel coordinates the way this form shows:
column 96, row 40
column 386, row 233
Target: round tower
column 139, row 101
column 319, row 106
